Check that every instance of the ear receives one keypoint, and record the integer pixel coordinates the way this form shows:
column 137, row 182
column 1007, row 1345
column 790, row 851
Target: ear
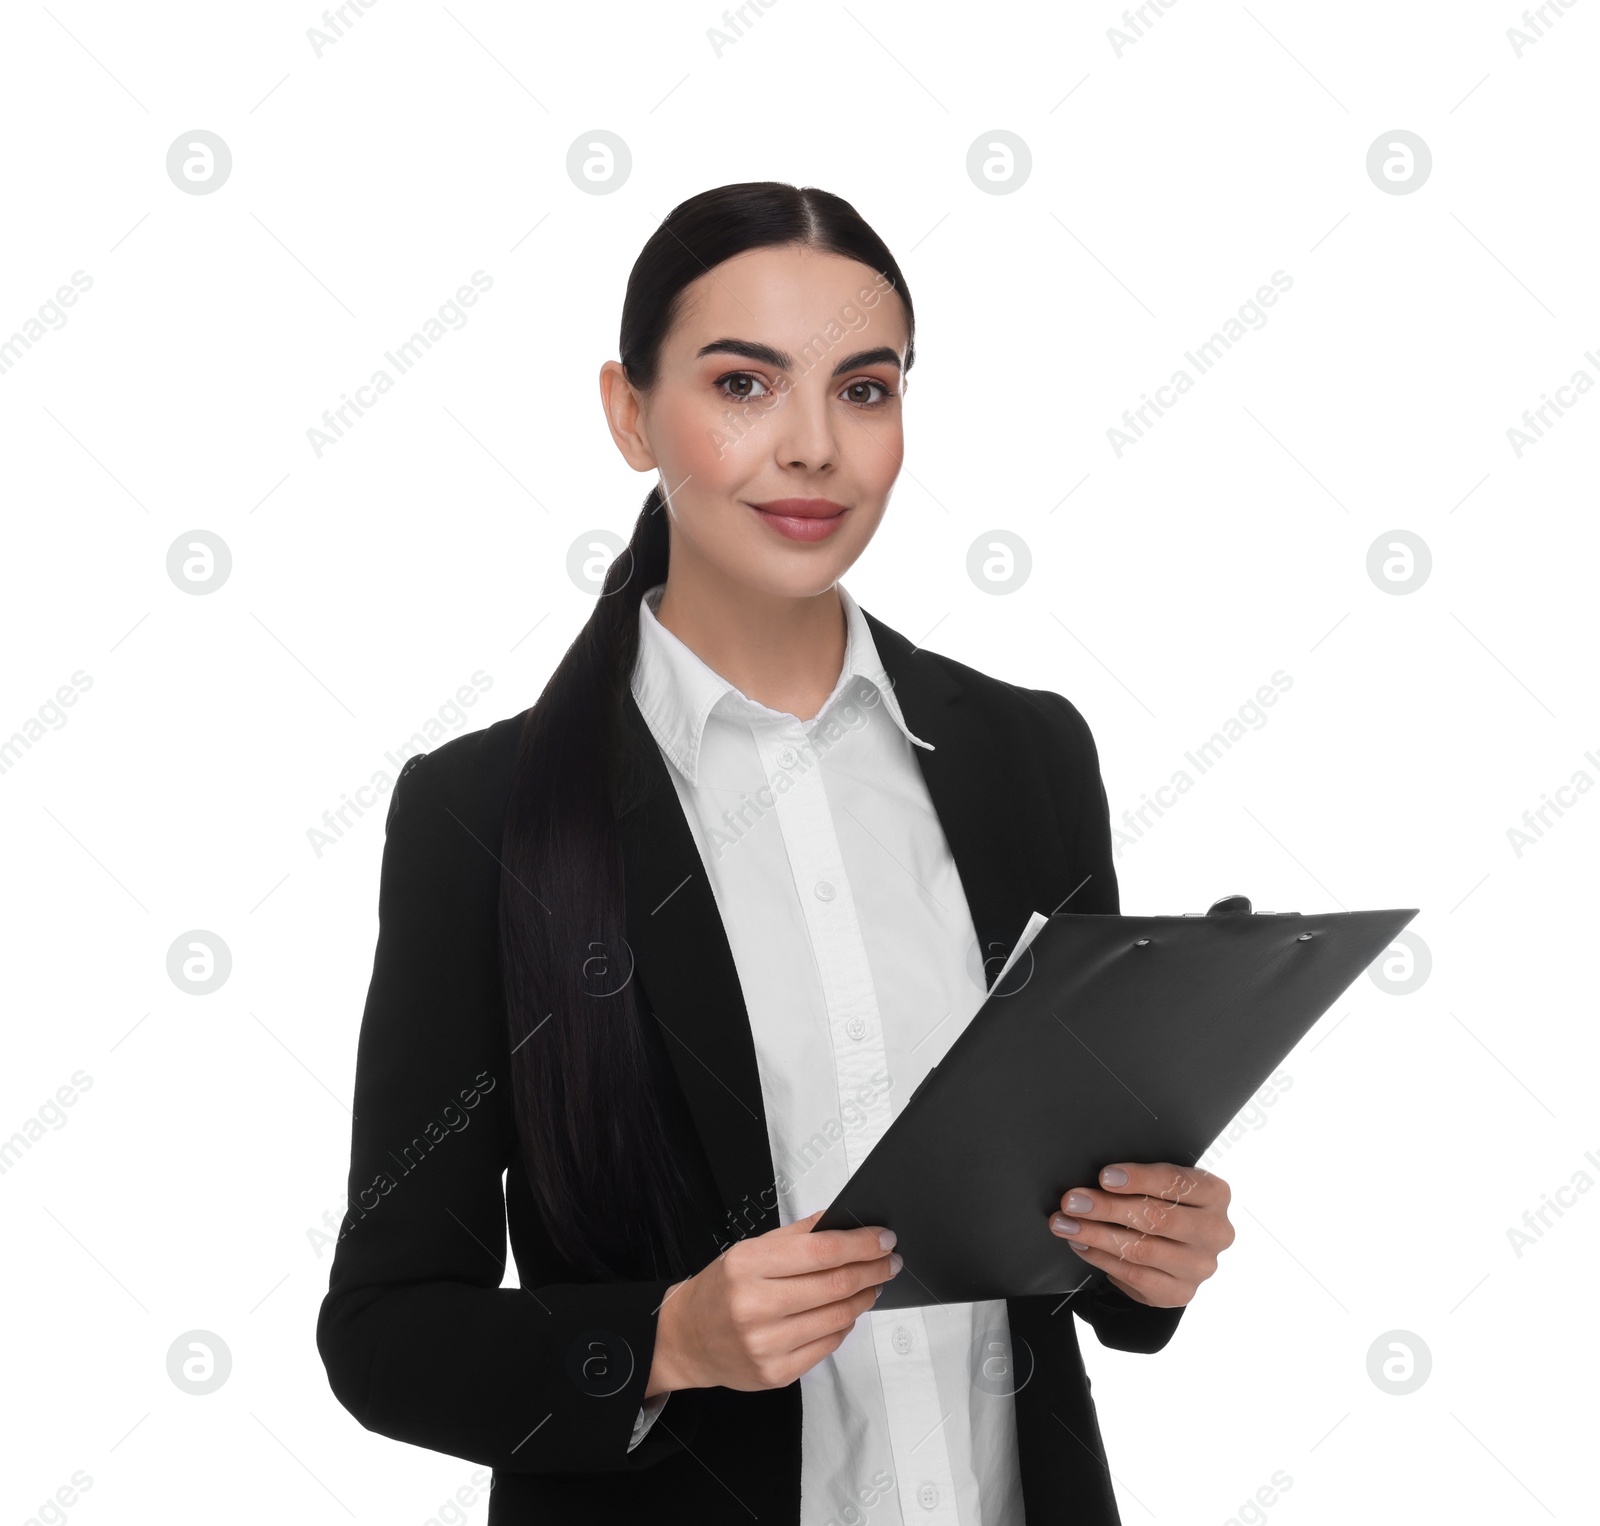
column 624, row 408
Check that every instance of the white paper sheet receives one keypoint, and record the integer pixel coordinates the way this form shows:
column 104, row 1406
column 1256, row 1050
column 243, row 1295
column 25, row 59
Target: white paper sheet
column 1035, row 922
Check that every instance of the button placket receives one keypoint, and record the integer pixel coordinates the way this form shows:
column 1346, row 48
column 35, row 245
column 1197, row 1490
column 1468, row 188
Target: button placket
column 916, row 1421
column 817, row 865
column 900, row 1338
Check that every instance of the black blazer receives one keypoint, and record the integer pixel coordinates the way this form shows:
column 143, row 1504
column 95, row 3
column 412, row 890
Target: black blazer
column 420, row 1341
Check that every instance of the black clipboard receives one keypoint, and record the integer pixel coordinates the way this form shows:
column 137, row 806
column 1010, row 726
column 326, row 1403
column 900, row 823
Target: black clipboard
column 1109, row 1038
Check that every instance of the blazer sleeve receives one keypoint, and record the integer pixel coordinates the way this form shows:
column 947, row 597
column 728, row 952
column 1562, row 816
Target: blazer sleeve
column 1120, row 1322
column 420, row 1340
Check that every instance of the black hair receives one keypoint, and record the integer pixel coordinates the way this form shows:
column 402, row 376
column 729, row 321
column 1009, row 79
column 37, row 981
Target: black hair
column 592, row 1135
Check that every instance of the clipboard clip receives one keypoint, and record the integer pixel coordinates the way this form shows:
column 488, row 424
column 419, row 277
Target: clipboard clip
column 1237, row 906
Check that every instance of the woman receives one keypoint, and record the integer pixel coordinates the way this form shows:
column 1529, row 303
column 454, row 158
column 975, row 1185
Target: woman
column 670, row 949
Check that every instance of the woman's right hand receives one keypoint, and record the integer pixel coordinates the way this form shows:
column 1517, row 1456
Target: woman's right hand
column 769, row 1308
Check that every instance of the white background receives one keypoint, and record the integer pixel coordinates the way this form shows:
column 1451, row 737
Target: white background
column 1171, row 177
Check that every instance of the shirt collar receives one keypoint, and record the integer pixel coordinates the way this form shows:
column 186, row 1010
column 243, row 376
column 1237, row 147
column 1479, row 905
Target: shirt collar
column 677, row 692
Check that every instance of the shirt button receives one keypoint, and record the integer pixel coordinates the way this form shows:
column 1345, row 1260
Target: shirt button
column 787, row 758
column 856, row 1028
column 902, row 1343
column 825, row 891
column 928, row 1495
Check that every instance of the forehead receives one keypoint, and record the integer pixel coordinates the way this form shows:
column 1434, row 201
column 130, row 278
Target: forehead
column 783, row 295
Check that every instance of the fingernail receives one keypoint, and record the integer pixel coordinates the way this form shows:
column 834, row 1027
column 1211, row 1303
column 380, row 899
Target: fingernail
column 886, row 1239
column 1079, row 1202
column 896, row 1261
column 1114, row 1176
column 1062, row 1225
column 876, row 1291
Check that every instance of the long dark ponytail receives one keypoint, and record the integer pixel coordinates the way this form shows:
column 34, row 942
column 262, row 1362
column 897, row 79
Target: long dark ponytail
column 592, row 1134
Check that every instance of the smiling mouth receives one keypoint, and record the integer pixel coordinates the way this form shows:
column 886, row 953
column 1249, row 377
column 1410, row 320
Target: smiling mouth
column 802, row 508
column 803, row 519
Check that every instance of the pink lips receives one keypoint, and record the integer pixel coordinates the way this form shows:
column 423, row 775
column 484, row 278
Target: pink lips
column 807, row 519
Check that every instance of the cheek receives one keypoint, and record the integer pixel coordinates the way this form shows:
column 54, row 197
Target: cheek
column 875, row 455
column 703, row 446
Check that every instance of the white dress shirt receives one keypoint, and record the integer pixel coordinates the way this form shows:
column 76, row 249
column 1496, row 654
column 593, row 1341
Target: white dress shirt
column 859, row 966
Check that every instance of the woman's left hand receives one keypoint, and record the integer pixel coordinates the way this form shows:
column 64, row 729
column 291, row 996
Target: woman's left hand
column 1156, row 1230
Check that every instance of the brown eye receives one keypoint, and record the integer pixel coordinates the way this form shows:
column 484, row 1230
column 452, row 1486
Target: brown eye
column 853, row 393
column 739, row 386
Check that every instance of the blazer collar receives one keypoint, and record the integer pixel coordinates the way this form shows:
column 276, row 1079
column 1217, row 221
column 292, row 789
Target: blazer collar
column 682, row 956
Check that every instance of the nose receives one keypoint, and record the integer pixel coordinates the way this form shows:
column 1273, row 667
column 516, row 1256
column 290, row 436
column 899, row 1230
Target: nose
column 804, row 430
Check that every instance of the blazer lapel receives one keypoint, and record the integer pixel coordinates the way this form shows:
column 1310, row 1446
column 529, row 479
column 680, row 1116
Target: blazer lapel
column 684, row 963
column 681, row 952
column 974, row 789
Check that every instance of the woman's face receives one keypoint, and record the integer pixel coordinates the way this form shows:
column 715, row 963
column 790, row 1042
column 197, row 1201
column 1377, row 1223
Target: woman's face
column 775, row 419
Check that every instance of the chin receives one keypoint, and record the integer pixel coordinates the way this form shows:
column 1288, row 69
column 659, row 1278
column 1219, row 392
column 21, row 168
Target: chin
column 796, row 577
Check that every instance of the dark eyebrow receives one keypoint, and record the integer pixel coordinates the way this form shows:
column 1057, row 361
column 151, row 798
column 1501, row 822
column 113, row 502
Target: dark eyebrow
column 781, row 360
